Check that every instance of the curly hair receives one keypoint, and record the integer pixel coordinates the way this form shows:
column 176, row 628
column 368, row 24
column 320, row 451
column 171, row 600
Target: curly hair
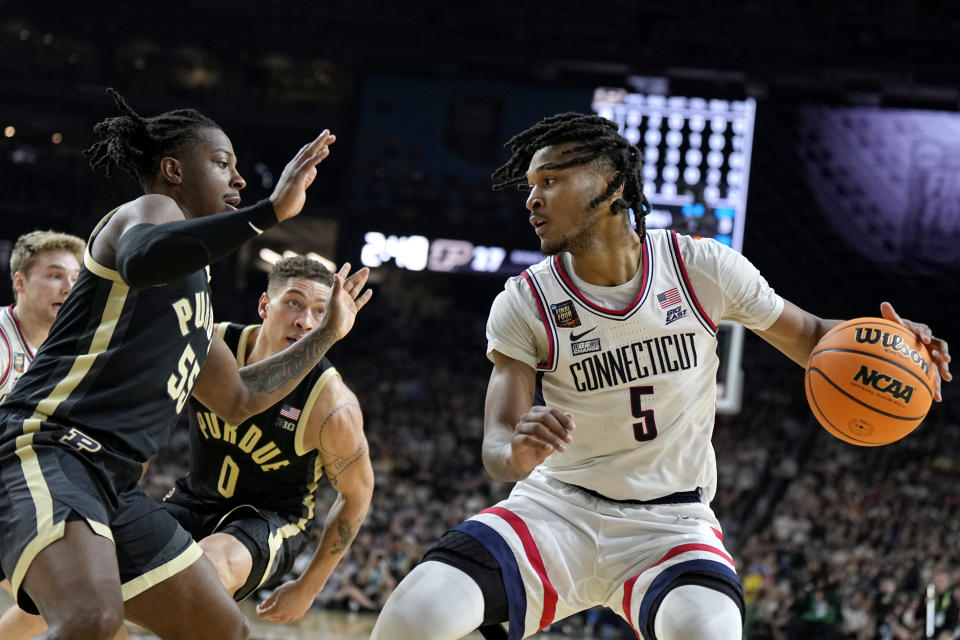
column 137, row 144
column 596, row 138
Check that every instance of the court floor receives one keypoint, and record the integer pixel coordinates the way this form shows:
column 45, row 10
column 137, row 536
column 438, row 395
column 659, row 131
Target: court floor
column 329, row 625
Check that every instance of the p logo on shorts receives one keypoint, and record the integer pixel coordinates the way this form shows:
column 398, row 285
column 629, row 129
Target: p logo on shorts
column 81, row 441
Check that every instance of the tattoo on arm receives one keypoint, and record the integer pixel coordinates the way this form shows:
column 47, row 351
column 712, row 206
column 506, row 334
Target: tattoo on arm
column 269, row 375
column 346, row 533
column 339, row 463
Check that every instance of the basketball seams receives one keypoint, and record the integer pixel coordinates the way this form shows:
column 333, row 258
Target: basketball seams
column 872, row 414
column 922, row 379
column 834, row 431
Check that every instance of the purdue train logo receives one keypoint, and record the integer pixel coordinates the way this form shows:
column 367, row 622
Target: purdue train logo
column 565, row 314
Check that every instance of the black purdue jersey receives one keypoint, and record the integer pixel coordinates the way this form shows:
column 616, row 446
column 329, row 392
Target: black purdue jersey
column 120, row 362
column 262, row 461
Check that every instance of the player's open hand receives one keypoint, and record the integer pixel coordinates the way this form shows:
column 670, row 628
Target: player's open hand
column 346, row 300
column 540, row 432
column 290, row 194
column 288, row 602
column 938, row 348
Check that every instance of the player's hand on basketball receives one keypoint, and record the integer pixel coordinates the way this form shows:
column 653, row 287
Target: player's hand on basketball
column 938, row 348
column 346, row 300
column 540, row 432
column 288, row 603
column 290, row 194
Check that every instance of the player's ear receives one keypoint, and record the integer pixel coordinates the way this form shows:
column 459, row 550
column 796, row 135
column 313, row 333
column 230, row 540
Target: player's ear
column 262, row 305
column 19, row 283
column 171, row 170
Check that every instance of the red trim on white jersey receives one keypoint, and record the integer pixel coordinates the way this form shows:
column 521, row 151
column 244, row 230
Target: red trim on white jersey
column 645, row 279
column 688, row 288
column 16, row 325
column 627, row 598
column 551, row 333
column 693, row 546
column 6, row 342
column 536, row 561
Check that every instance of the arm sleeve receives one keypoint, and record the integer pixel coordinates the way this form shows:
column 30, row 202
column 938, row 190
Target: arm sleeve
column 728, row 285
column 149, row 255
column 513, row 328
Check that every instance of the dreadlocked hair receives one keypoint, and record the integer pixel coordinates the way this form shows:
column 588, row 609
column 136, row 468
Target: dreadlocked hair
column 597, row 138
column 136, row 144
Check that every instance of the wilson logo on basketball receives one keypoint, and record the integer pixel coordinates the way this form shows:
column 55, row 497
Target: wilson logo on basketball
column 866, row 335
column 884, row 383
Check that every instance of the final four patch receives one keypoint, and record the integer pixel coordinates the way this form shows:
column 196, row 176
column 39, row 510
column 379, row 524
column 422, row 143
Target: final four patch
column 18, row 362
column 565, row 314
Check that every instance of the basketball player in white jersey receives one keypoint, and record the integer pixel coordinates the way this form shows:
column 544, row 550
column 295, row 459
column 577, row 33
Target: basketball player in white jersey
column 614, row 468
column 43, row 267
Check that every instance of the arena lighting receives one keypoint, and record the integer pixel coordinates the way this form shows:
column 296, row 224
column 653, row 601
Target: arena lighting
column 271, row 257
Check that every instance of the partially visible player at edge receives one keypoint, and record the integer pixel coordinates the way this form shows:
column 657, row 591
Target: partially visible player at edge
column 616, row 471
column 81, row 543
column 250, row 493
column 43, row 267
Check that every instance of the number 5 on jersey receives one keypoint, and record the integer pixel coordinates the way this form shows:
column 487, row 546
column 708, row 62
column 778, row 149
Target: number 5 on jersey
column 646, row 429
column 180, row 382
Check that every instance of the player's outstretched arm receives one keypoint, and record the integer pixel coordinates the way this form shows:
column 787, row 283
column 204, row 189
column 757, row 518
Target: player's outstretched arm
column 236, row 394
column 336, row 431
column 518, row 436
column 796, row 332
column 150, row 243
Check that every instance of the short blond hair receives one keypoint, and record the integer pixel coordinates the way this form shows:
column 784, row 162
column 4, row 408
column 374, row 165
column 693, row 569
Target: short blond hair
column 29, row 246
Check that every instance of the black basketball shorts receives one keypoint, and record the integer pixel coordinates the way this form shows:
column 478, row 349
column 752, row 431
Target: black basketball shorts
column 51, row 474
column 273, row 540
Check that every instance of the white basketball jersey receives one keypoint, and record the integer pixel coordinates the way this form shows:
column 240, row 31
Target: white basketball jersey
column 636, row 367
column 16, row 353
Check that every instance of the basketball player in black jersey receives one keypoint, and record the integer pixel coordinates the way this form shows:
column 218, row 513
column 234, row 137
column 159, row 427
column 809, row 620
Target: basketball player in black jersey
column 249, row 496
column 80, row 542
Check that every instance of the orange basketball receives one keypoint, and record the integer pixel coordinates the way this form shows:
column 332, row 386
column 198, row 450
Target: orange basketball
column 870, row 381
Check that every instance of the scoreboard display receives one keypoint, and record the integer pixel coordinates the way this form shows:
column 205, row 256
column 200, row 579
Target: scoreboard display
column 696, row 158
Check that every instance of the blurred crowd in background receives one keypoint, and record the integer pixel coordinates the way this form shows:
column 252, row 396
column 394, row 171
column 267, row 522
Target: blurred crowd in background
column 831, row 540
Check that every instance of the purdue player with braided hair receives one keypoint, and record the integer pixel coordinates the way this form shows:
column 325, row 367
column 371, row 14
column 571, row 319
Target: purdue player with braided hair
column 81, row 543
column 616, row 331
column 250, row 492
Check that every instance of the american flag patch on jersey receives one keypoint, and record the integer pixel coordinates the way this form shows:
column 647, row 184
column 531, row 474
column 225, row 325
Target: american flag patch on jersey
column 290, row 412
column 668, row 298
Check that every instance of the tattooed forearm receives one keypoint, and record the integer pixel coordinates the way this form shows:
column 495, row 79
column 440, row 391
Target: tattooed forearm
column 346, row 533
column 292, row 363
